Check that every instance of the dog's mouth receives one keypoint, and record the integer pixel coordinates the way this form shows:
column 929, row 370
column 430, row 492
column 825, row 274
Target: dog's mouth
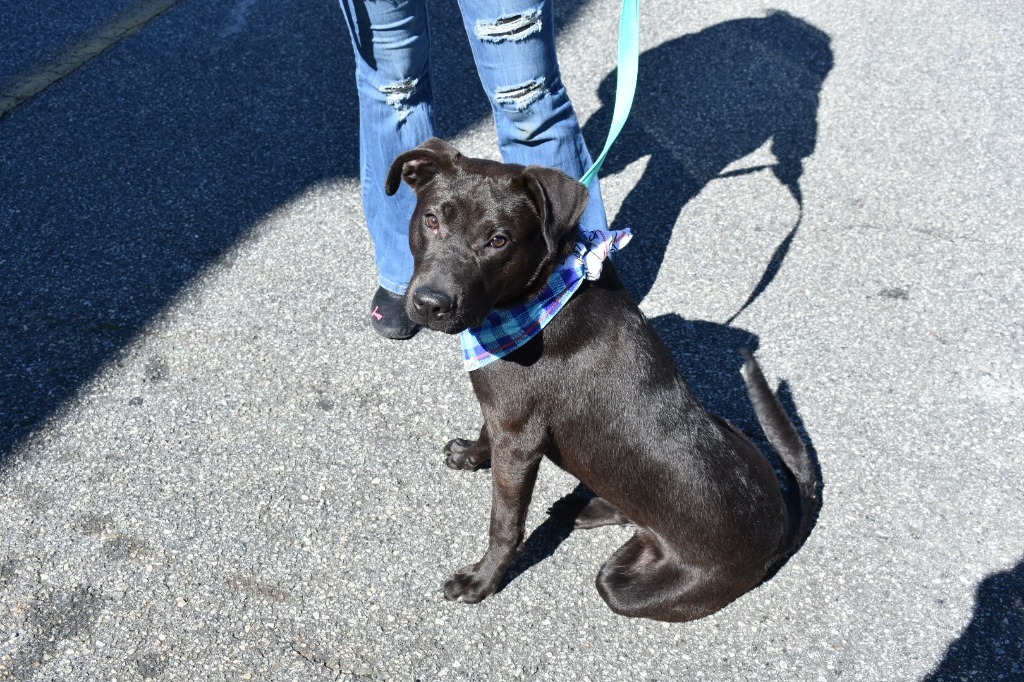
column 449, row 326
column 444, row 326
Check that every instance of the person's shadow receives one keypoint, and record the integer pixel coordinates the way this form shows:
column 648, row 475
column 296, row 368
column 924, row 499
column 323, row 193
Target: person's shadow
column 704, row 101
column 992, row 646
column 109, row 213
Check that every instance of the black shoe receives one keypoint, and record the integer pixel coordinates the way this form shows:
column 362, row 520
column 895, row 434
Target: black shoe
column 388, row 318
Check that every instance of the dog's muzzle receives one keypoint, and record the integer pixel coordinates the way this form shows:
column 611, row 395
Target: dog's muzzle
column 433, row 308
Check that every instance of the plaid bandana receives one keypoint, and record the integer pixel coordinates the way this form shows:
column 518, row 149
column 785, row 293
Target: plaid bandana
column 503, row 331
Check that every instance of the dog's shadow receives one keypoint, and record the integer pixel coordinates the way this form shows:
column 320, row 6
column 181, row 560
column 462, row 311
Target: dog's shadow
column 707, row 355
column 704, row 101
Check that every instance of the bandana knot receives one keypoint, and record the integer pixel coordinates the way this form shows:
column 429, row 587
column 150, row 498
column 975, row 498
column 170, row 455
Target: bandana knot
column 505, row 330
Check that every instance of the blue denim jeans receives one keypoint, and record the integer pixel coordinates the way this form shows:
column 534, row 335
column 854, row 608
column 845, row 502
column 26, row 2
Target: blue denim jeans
column 513, row 44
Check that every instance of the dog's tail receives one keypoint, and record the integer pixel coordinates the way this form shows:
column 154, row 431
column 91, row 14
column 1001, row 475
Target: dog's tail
column 790, row 447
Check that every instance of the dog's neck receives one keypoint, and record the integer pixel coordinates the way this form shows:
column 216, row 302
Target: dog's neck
column 504, row 330
column 543, row 273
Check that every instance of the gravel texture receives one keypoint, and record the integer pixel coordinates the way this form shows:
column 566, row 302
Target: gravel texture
column 212, row 469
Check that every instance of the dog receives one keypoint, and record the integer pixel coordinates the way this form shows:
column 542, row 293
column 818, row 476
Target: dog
column 598, row 393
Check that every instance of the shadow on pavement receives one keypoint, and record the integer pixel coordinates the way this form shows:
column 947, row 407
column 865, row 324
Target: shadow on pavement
column 704, row 101
column 992, row 646
column 183, row 138
column 545, row 539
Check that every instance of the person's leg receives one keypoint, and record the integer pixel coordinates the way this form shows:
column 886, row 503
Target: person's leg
column 513, row 43
column 391, row 44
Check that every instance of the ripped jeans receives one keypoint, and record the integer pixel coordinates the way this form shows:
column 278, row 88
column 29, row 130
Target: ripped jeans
column 513, row 43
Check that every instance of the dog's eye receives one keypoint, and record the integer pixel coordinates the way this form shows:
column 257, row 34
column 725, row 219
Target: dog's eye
column 498, row 241
column 431, row 221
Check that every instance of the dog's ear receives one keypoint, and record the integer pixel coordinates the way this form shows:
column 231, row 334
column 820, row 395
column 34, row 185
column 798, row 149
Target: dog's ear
column 418, row 166
column 560, row 201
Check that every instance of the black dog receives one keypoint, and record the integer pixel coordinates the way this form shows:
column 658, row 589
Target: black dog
column 598, row 393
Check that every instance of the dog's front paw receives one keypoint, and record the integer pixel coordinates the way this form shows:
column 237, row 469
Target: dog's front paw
column 465, row 454
column 468, row 586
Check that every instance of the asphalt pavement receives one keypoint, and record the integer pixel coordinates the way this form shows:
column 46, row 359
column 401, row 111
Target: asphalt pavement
column 212, row 469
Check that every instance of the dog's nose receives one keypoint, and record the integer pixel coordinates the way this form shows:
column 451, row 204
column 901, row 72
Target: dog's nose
column 432, row 304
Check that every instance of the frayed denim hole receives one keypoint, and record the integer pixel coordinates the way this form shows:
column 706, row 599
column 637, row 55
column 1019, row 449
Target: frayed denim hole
column 520, row 97
column 513, row 27
column 398, row 94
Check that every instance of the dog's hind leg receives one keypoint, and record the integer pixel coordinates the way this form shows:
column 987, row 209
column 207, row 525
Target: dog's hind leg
column 578, row 511
column 645, row 579
column 468, row 454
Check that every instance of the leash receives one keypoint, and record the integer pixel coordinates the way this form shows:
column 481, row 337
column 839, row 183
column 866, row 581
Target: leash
column 625, row 79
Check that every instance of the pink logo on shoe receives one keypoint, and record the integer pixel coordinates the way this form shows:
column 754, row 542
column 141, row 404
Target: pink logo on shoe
column 375, row 314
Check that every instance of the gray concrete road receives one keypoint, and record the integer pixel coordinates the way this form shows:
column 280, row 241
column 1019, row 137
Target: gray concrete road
column 211, row 469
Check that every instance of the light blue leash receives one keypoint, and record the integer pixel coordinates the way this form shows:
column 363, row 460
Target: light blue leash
column 625, row 80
